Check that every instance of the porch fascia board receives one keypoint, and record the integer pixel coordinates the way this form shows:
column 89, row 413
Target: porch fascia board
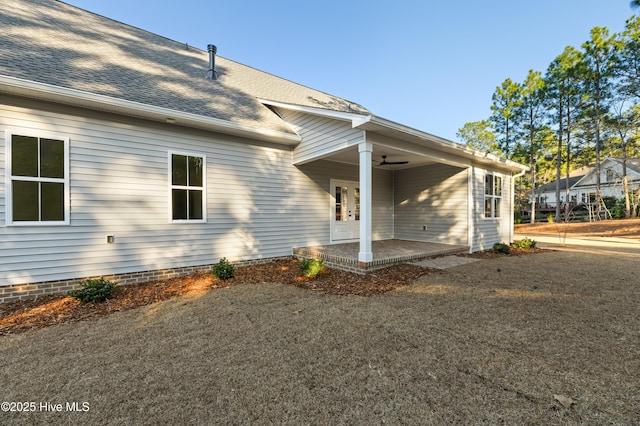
column 438, row 147
column 412, row 148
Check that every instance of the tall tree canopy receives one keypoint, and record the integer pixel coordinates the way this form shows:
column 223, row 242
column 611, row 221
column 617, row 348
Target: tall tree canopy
column 584, row 108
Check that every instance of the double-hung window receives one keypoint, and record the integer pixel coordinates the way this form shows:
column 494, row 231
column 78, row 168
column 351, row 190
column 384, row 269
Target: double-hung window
column 492, row 195
column 187, row 182
column 37, row 180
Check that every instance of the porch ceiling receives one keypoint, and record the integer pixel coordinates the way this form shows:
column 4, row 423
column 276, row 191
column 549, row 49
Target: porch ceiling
column 351, row 156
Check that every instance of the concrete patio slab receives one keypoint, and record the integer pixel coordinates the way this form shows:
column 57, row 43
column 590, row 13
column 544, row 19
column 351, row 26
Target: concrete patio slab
column 385, row 253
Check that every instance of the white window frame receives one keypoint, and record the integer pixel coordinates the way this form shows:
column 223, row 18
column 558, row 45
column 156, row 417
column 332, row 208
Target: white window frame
column 171, row 186
column 9, row 178
column 492, row 196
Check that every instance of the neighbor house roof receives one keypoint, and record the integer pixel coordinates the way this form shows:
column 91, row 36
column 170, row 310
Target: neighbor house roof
column 574, row 177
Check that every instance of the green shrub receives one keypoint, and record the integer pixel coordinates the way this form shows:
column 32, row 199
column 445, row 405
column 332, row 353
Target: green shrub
column 619, row 209
column 501, row 248
column 94, row 290
column 223, row 269
column 311, row 268
column 517, row 218
column 526, row 243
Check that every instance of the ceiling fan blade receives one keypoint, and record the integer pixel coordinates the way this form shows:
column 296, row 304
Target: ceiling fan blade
column 384, row 161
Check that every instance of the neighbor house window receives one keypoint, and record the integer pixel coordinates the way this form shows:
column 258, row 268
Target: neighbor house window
column 611, row 177
column 37, row 180
column 492, row 195
column 187, row 181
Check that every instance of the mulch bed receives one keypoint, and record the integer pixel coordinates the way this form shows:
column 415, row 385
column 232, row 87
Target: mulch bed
column 16, row 317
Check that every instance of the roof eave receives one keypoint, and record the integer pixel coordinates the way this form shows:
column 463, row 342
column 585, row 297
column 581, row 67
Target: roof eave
column 78, row 98
column 373, row 123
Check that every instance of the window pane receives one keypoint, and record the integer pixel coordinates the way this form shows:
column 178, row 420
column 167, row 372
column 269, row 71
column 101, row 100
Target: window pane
column 488, row 184
column 52, row 201
column 195, row 171
column 487, row 206
column 195, row 204
column 179, row 170
column 496, row 207
column 498, row 189
column 179, row 204
column 24, row 156
column 51, row 158
column 25, row 201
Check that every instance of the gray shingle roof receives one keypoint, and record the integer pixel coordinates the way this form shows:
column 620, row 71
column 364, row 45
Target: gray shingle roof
column 574, row 177
column 51, row 42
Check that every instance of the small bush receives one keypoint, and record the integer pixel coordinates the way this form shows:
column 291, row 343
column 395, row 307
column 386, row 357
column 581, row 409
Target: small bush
column 501, row 248
column 311, row 268
column 95, row 290
column 526, row 243
column 517, row 218
column 551, row 218
column 223, row 269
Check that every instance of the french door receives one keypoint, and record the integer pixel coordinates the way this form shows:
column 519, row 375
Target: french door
column 345, row 210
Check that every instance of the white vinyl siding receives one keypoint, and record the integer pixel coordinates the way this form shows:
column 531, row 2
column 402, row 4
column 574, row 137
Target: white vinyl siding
column 258, row 204
column 320, row 135
column 435, row 196
column 496, row 230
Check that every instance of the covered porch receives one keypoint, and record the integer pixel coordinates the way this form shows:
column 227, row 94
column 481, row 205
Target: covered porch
column 385, row 253
column 395, row 194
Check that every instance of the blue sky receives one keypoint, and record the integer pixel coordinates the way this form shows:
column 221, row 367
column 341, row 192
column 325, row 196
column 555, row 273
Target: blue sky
column 432, row 65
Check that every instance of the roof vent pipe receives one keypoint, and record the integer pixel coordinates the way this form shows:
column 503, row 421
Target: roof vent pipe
column 212, row 74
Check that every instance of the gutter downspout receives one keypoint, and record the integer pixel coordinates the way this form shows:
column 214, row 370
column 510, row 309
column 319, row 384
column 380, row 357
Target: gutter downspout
column 513, row 198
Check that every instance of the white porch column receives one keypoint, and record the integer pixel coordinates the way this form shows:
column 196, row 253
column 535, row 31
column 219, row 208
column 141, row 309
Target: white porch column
column 366, row 253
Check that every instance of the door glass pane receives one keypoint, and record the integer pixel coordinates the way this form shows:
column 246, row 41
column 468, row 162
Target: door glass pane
column 179, row 170
column 357, row 201
column 52, row 201
column 341, row 203
column 179, row 204
column 195, row 171
column 345, row 204
column 195, row 204
column 51, row 158
column 25, row 201
column 24, row 156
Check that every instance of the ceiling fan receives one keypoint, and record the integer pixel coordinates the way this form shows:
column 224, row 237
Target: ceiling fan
column 384, row 162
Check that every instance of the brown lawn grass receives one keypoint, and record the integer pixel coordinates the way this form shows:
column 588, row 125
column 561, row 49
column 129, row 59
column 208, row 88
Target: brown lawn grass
column 485, row 343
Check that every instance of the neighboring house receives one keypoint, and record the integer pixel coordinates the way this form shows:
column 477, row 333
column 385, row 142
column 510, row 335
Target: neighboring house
column 124, row 153
column 582, row 183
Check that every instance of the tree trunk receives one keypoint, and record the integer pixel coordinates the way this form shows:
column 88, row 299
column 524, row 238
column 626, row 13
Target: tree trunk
column 598, row 180
column 567, row 189
column 627, row 204
column 559, row 167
